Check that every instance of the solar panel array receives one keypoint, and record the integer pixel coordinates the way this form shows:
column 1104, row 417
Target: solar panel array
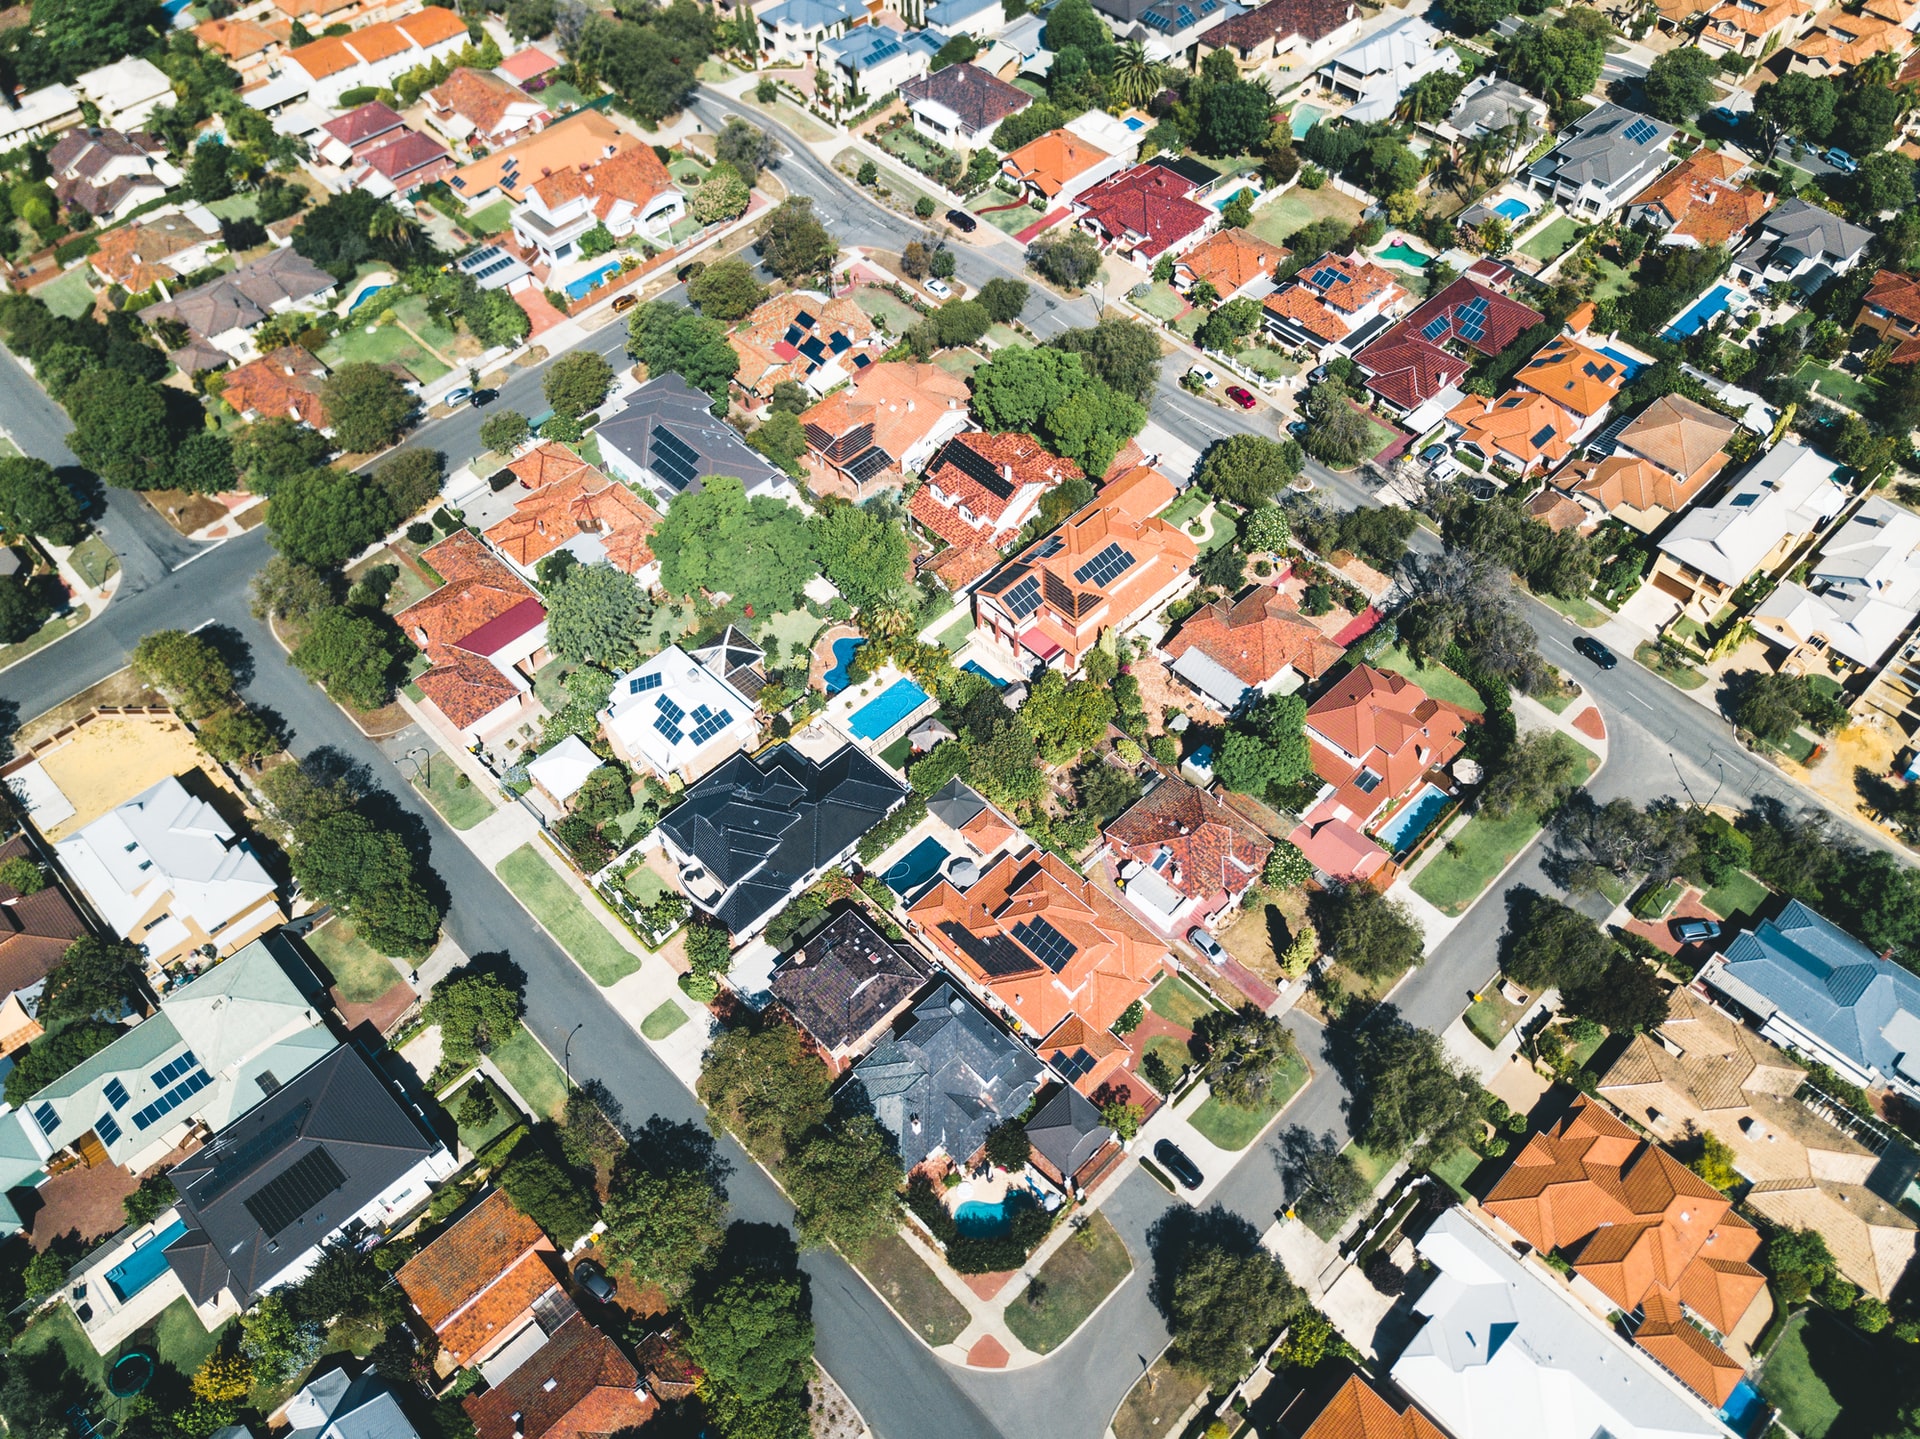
column 1045, row 943
column 1473, row 320
column 299, row 1187
column 1326, row 277
column 674, row 459
column 48, row 1118
column 1641, row 131
column 977, row 467
column 1051, row 546
column 107, row 1128
column 705, row 729
column 168, row 1073
column 1073, row 1066
column 644, row 683
column 1542, row 436
column 116, row 1093
column 1024, row 598
column 1436, row 328
column 238, row 1162
column 172, row 1099
column 1105, row 567
column 868, row 463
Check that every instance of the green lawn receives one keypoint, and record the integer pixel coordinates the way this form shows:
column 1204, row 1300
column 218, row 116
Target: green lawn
column 1438, row 681
column 535, row 884
column 1456, row 1168
column 94, row 559
column 663, row 1021
column 52, row 630
column 955, row 635
column 1373, row 1166
column 1231, row 1127
column 361, row 973
column 176, row 1339
column 489, row 219
column 70, row 296
column 959, row 363
column 898, row 753
column 1855, row 392
column 1552, row 238
column 1797, row 746
column 1610, row 281
column 644, row 885
column 388, row 344
column 1582, row 612
column 1298, row 208
column 986, row 205
column 533, row 1073
column 1187, row 508
column 1174, row 999
column 1177, row 1052
column 887, row 308
column 1741, row 894
column 1685, row 676
column 1070, row 1286
column 910, row 1287
column 461, row 802
column 1162, row 301
column 1656, row 902
column 1491, row 1017
column 1790, row 1382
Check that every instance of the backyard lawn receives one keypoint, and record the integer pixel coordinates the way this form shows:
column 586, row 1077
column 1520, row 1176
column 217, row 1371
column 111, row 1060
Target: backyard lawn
column 490, row 219
column 955, row 635
column 532, row 1072
column 663, row 1021
column 1438, row 681
column 1740, row 894
column 361, row 973
column 1231, row 1127
column 959, row 363
column 1174, row 999
column 1070, row 1286
column 560, row 912
column 1609, row 280
column 70, row 296
column 1855, row 392
column 461, row 802
column 1177, row 1052
column 1468, row 862
column 176, row 1339
column 1298, row 208
column 903, row 1278
column 1552, row 238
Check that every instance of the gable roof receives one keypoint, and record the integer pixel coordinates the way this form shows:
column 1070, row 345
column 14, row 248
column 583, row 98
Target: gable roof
column 421, row 30
column 1680, row 435
column 980, row 100
column 1209, row 849
column 1629, row 481
column 134, row 255
column 579, row 1385
column 984, row 475
column 403, row 155
column 477, row 1277
column 632, row 177
column 479, row 589
column 236, row 39
column 1356, row 1411
column 1788, row 491
column 1256, row 637
column 35, row 929
column 846, row 979
column 1474, row 315
column 1371, row 736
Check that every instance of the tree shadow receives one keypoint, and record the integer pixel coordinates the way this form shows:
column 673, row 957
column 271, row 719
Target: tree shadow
column 9, row 723
column 87, row 487
column 666, row 1147
column 1881, row 795
column 235, row 651
column 498, row 964
column 1292, row 1152
column 1182, row 1230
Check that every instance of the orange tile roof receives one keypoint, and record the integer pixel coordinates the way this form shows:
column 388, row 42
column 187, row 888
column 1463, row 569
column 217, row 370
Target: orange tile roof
column 1328, row 310
column 283, row 384
column 1758, row 23
column 1703, row 200
column 1626, row 479
column 1525, row 425
column 1231, row 258
column 479, row 588
column 1382, row 722
column 766, row 355
column 1210, row 851
column 578, row 1386
column 1254, row 639
column 1573, row 376
column 466, row 689
column 235, row 39
column 633, row 176
column 1114, row 961
column 548, row 463
column 132, row 255
column 895, row 405
column 1357, row 1412
column 1692, row 1358
column 478, row 96
column 584, row 137
column 1840, row 41
column 1897, row 294
column 1020, row 461
column 1681, row 435
column 472, row 1282
column 1106, row 1049
column 587, row 503
column 1305, row 307
column 1052, row 161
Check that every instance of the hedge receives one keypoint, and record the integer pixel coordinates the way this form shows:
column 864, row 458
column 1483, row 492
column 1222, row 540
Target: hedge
column 972, row 1253
column 80, row 246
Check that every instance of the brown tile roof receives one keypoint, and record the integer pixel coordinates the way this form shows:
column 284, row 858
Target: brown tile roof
column 1229, row 259
column 1626, row 479
column 1872, row 1242
column 1148, row 203
column 588, row 503
column 1573, row 376
column 1357, row 1412
column 1311, row 20
column 284, row 384
column 466, row 689
column 363, row 123
column 235, row 39
column 634, row 176
column 1897, row 294
column 134, row 256
column 767, row 340
column 1053, row 160
column 583, row 137
column 1255, row 638
column 578, row 1386
column 472, row 1282
column 895, row 405
column 477, row 96
column 479, row 588
column 1680, row 435
column 979, row 99
column 1210, row 850
column 35, row 929
column 1557, row 510
column 1702, row 197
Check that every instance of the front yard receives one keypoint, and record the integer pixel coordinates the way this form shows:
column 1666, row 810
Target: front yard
column 560, row 912
column 360, row 973
column 1231, row 1127
column 1438, row 681
column 1492, row 1016
column 1178, row 1002
column 1739, row 896
column 1070, row 1286
column 460, row 802
column 917, row 1296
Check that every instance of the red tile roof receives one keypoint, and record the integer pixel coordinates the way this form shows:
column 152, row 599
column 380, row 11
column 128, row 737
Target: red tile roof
column 1256, row 638
column 1378, row 721
column 1018, row 460
column 528, row 64
column 1897, row 294
column 363, row 123
column 1504, row 321
column 35, row 929
column 466, row 689
column 472, row 1282
column 587, row 503
column 1148, row 201
column 479, row 587
column 1405, row 370
column 1210, row 851
column 478, row 96
column 578, row 1386
column 1311, row 20
column 503, row 629
column 284, row 384
column 406, row 155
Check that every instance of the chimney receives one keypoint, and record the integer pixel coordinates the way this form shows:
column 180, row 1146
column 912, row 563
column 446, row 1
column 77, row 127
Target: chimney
column 1006, row 473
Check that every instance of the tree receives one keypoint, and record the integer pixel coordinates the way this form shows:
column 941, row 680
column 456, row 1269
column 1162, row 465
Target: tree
column 1069, row 258
column 748, row 148
column 95, row 979
column 477, row 1104
column 1534, row 777
column 1264, row 530
column 504, row 431
column 1714, row 1163
column 758, row 550
column 1800, row 1262
column 221, row 1378
column 671, row 339
column 185, row 667
column 1323, row 1183
column 1884, row 183
column 1122, row 352
column 1549, row 944
column 341, row 859
column 476, row 1013
column 1866, row 119
column 1409, row 1088
column 120, row 428
column 752, row 1333
column 1244, row 1051
column 369, row 406
column 1267, row 748
column 53, row 1054
column 26, row 603
column 209, row 172
column 766, row 1087
column 1225, row 1306
column 666, row 1206
column 577, row 382
column 709, row 949
column 1249, row 470
column 793, row 242
column 548, row 1194
column 1234, row 118
column 961, row 322
column 352, row 655
column 1559, row 63
column 1066, row 718
column 36, row 501
column 22, row 875
column 268, row 452
column 277, row 1345
column 1371, row 935
column 721, row 196
column 1769, row 706
column 287, row 589
column 1802, row 106
column 1626, row 997
column 1679, row 84
column 1008, row 1146
column 1286, row 866
column 653, row 67
column 845, row 1186
column 862, row 551
column 81, row 34
column 1052, row 395
column 790, row 397
column 726, row 289
column 1004, row 299
column 1336, row 432
column 1122, row 1118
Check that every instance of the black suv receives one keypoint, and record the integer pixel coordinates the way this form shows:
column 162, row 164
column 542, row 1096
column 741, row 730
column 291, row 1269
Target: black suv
column 962, row 221
column 1175, row 1159
column 1595, row 651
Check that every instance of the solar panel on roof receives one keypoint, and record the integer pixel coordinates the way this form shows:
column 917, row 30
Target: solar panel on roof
column 1045, row 943
column 297, row 1189
column 839, row 342
column 1640, row 131
column 1472, row 333
column 116, row 1094
column 1073, row 1066
column 667, row 707
column 644, row 683
column 868, row 463
column 1051, row 546
column 1105, row 567
column 107, row 1128
column 1435, row 328
column 673, row 459
column 978, row 468
column 700, row 712
column 1326, row 277
column 1024, row 598
column 712, row 726
column 1541, row 437
column 803, row 319
column 668, row 728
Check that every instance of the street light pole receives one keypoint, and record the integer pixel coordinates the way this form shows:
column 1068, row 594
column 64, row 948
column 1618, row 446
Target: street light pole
column 566, row 1052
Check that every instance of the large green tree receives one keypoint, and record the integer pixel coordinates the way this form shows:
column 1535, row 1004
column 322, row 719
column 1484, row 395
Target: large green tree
column 1123, row 352
column 597, row 613
column 274, row 449
column 1548, row 943
column 186, row 668
column 1800, row 107
column 369, row 406
column 1225, row 1307
column 726, row 290
column 577, row 382
column 793, row 242
column 845, row 1185
column 671, row 339
column 120, row 428
column 1679, row 84
column 1052, row 395
column 1249, row 470
column 1409, row 1088
column 1266, row 748
column 367, row 873
column 1372, row 935
column 325, row 517
column 1234, row 117
column 36, row 501
column 651, row 60
column 666, row 1208
column 354, row 655
column 1245, row 1051
column 95, row 979
column 863, row 551
column 767, row 1087
column 53, row 1054
column 758, row 550
column 752, row 1333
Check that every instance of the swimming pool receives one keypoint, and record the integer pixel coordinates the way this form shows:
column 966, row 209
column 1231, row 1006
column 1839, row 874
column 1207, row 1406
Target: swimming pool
column 843, row 648
column 1743, row 1409
column 1511, row 209
column 916, row 867
column 1134, row 122
column 895, row 703
column 1305, row 117
column 1702, row 311
column 987, row 1221
column 976, row 668
column 1223, row 201
column 1414, row 819
column 144, row 1265
column 1406, row 255
column 1632, row 366
column 588, row 283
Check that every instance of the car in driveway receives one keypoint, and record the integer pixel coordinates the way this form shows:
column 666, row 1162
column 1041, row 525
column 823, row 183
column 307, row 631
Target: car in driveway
column 593, row 1279
column 939, row 289
column 1597, row 652
column 1207, row 945
column 1297, row 428
column 1174, row 1160
column 1695, row 931
column 1842, row 161
column 1241, row 397
column 962, row 221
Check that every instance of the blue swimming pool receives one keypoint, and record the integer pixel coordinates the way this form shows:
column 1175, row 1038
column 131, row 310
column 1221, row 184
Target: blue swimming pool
column 1701, row 312
column 907, row 874
column 588, row 283
column 144, row 1265
column 843, row 648
column 1511, row 209
column 986, row 1221
column 1744, row 1409
column 1305, row 117
column 1632, row 366
column 1134, row 122
column 366, row 295
column 974, row 667
column 1414, row 819
column 893, row 704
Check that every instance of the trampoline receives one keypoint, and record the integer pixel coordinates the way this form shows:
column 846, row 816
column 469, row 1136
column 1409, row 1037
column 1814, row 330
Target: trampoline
column 130, row 1374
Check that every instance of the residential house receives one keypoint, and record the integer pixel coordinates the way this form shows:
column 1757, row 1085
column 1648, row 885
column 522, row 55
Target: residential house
column 224, row 311
column 1419, row 363
column 527, row 63
column 1816, row 990
column 1372, row 76
column 1233, row 652
column 1604, row 158
column 1578, row 378
column 979, row 491
column 156, row 250
column 109, row 174
column 325, row 69
column 961, row 106
column 167, row 871
column 1660, row 464
column 1072, row 1145
column 337, row 1406
column 1801, row 243
column 1109, row 566
column 1040, row 943
column 1144, row 213
column 585, row 137
column 946, row 1077
column 1357, row 1409
column 1862, row 591
column 578, row 1385
column 1235, row 262
column 1702, row 1072
column 35, row 930
column 1838, row 40
column 126, row 92
column 1339, row 302
column 362, row 129
column 1506, row 1353
column 316, row 15
column 791, row 32
column 1646, row 1232
column 1781, row 502
column 328, row 1153
column 478, row 108
column 1495, row 107
column 36, row 114
column 1183, row 857
column 1891, row 310
column 1701, row 201
column 1057, row 166
column 884, row 424
column 571, row 506
column 812, row 339
column 486, row 1281
column 673, row 716
column 285, row 384
column 561, row 770
column 1522, row 430
column 735, row 659
column 1753, row 28
column 1290, row 36
column 1372, row 737
column 982, row 19
column 484, row 631
column 194, row 1064
column 758, row 829
column 874, row 61
column 630, row 193
column 402, row 165
column 249, row 47
column 846, row 983
column 665, row 439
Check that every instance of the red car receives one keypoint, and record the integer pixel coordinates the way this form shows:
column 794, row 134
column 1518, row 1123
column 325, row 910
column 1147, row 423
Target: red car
column 1240, row 397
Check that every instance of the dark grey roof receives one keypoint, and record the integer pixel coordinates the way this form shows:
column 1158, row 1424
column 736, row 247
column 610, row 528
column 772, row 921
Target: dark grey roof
column 246, row 296
column 1795, row 231
column 668, row 402
column 1068, row 1131
column 286, row 1174
column 1599, row 147
column 846, row 979
column 946, row 1078
column 956, row 804
column 1833, row 987
column 1495, row 105
column 335, row 1406
column 764, row 824
column 979, row 99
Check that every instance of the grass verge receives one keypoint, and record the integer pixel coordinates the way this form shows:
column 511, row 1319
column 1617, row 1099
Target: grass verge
column 1231, row 1127
column 663, row 1021
column 917, row 1296
column 1070, row 1286
column 555, row 905
column 1469, row 862
column 459, row 800
column 532, row 1073
column 1157, row 1401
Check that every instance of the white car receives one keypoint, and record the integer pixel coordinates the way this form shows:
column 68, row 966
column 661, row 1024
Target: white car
column 1207, row 945
column 1204, row 376
column 939, row 289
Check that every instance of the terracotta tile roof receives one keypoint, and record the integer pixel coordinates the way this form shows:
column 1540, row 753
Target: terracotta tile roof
column 403, row 158
column 1573, row 376
column 895, row 405
column 1478, row 317
column 1255, row 638
column 1626, row 479
column 1405, row 370
column 134, row 256
column 980, row 100
column 632, row 177
column 586, row 503
column 1702, row 198
column 235, row 39
column 1325, row 297
column 420, row 31
column 1074, row 1037
column 549, row 463
column 1357, row 1412
column 1380, row 722
column 1692, row 1358
column 479, row 588
column 1150, row 202
column 1229, row 259
column 1052, row 161
column 1680, row 435
column 1521, row 424
column 959, row 565
column 578, row 1386
column 1019, row 462
column 1840, row 41
column 1210, row 850
column 583, row 137
column 1311, row 20
column 283, row 384
column 35, row 929
column 363, row 123
column 472, row 1282
column 466, row 689
column 1557, row 510
column 1302, row 304
column 792, row 335
column 1757, row 23
column 478, row 96
column 528, row 64
column 1897, row 294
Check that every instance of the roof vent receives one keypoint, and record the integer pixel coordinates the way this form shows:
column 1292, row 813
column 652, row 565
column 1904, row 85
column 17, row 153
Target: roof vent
column 550, row 1386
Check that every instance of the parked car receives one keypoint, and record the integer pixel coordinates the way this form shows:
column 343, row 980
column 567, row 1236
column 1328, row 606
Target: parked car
column 939, row 289
column 1174, row 1159
column 623, row 303
column 458, row 396
column 962, row 221
column 481, row 398
column 1204, row 376
column 1207, row 945
column 1693, row 931
column 592, row 1278
column 1842, row 161
column 1242, row 398
column 1433, row 452
column 1297, row 428
column 1317, row 375
column 1597, row 652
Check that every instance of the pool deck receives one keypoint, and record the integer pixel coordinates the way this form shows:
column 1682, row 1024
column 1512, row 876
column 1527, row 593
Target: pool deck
column 842, row 708
column 111, row 1321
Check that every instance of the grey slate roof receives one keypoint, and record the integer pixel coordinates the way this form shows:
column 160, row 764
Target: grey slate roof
column 946, row 1078
column 762, row 824
column 1067, row 1131
column 669, row 402
column 956, row 804
column 979, row 99
column 1810, row 231
column 335, row 1406
column 246, row 296
column 847, row 979
column 1494, row 105
column 1596, row 149
column 1834, row 987
column 287, row 1173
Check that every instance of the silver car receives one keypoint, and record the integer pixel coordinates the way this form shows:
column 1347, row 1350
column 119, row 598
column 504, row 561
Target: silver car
column 1207, row 945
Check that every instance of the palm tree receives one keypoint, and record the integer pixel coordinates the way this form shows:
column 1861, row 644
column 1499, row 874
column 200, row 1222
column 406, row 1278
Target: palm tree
column 389, row 223
column 1881, row 69
column 1483, row 152
column 1136, row 78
